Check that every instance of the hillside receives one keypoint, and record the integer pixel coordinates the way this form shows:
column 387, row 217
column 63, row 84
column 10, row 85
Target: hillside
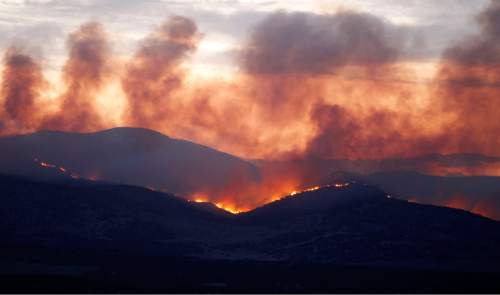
column 100, row 235
column 131, row 156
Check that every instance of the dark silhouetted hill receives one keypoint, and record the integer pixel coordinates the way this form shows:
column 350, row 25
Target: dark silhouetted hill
column 355, row 224
column 478, row 194
column 128, row 156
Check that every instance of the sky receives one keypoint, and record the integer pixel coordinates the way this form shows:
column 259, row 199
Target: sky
column 42, row 25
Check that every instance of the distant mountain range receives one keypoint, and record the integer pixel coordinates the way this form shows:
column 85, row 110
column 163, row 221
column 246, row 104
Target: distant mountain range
column 146, row 158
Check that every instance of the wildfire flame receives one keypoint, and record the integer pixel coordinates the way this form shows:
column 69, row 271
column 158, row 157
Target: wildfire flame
column 60, row 169
column 235, row 210
column 219, row 205
column 458, row 202
column 227, row 208
column 47, row 165
column 317, row 187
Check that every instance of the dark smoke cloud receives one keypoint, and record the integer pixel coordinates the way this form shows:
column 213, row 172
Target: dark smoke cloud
column 21, row 87
column 342, row 134
column 84, row 73
column 154, row 73
column 487, row 43
column 331, row 70
column 338, row 132
column 302, row 43
column 469, row 87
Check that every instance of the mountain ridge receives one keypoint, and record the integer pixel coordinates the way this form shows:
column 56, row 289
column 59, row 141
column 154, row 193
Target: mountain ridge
column 128, row 155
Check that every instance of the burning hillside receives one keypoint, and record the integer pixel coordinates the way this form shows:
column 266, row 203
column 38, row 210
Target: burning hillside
column 315, row 92
column 148, row 159
column 234, row 210
column 231, row 134
column 59, row 169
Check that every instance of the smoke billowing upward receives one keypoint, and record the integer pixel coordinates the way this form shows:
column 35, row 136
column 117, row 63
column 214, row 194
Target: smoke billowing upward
column 21, row 86
column 339, row 73
column 84, row 73
column 469, row 88
column 301, row 43
column 311, row 87
column 154, row 74
column 378, row 133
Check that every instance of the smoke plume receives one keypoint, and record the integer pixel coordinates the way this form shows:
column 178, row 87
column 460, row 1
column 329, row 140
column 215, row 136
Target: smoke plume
column 21, row 86
column 154, row 73
column 84, row 73
column 339, row 73
column 468, row 88
column 302, row 43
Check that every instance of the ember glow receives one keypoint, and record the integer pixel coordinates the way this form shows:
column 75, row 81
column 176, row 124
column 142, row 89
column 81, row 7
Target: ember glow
column 47, row 165
column 315, row 188
column 59, row 169
column 484, row 207
column 227, row 206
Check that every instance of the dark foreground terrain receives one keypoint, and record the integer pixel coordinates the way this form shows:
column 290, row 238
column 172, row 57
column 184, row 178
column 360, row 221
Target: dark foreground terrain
column 143, row 274
column 81, row 236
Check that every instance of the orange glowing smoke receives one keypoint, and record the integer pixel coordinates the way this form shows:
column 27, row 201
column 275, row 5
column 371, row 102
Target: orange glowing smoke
column 154, row 74
column 469, row 88
column 84, row 74
column 21, row 86
column 311, row 86
column 484, row 206
column 459, row 201
column 350, row 93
